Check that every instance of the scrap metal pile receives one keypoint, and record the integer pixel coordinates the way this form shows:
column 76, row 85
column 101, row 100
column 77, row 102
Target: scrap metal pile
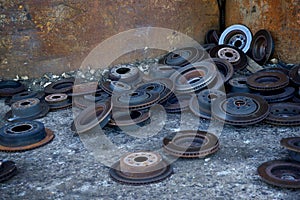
column 236, row 86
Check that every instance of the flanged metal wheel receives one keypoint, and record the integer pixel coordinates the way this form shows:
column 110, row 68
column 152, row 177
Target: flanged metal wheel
column 183, row 57
column 240, row 109
column 27, row 109
column 238, row 36
column 10, row 87
column 135, row 100
column 281, row 173
column 58, row 101
column 177, row 103
column 60, row 86
column 235, row 56
column 267, row 81
column 191, row 144
column 98, row 114
column 284, row 114
column 125, row 73
column 200, row 104
column 262, row 47
column 194, row 77
column 25, row 135
column 293, row 146
column 129, row 118
column 140, row 168
column 7, row 170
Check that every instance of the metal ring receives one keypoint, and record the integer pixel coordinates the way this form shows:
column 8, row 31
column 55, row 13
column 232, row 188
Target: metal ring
column 238, row 36
column 293, row 146
column 60, row 86
column 284, row 114
column 124, row 118
column 125, row 73
column 58, row 101
column 10, row 87
column 278, row 95
column 111, row 87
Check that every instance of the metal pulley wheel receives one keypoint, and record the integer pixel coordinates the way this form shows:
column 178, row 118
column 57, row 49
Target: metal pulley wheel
column 125, row 73
column 280, row 173
column 235, row 56
column 140, row 168
column 183, row 57
column 7, row 170
column 240, row 109
column 284, row 114
column 267, row 81
column 27, row 109
column 60, row 86
column 194, row 77
column 92, row 116
column 238, row 36
column 25, row 135
column 200, row 104
column 262, row 47
column 292, row 144
column 191, row 144
column 9, row 88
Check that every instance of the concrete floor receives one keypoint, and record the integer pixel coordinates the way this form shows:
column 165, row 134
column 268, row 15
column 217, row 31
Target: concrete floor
column 65, row 169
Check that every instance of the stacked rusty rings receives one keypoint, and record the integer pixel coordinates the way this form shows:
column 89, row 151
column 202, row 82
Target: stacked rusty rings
column 194, row 77
column 58, row 101
column 60, row 86
column 238, row 36
column 9, row 88
column 128, row 74
column 284, row 114
column 280, row 173
column 183, row 57
column 240, row 109
column 262, row 47
column 140, row 168
column 233, row 55
column 191, row 144
column 25, row 135
column 27, row 109
column 92, row 116
column 292, row 144
column 267, row 81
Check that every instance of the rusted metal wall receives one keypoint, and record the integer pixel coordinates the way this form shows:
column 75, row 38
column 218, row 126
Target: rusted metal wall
column 55, row 35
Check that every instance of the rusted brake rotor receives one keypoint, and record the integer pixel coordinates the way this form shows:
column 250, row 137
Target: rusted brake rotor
column 60, row 86
column 178, row 103
column 26, row 95
column 140, row 168
column 7, row 170
column 58, row 101
column 92, row 116
column 240, row 109
column 129, row 118
column 10, row 87
column 281, row 173
column 284, row 114
column 191, row 144
column 125, row 73
column 25, row 135
column 295, row 75
column 85, row 101
column 293, row 146
column 115, row 87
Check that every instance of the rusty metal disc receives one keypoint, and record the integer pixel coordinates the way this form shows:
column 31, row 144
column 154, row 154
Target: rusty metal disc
column 7, row 170
column 267, row 81
column 140, row 168
column 191, row 144
column 125, row 73
column 60, row 86
column 200, row 104
column 177, row 103
column 278, row 95
column 135, row 100
column 10, row 87
column 58, row 101
column 293, row 146
column 115, row 87
column 85, row 101
column 225, row 68
column 295, row 75
column 233, row 55
column 26, row 95
column 92, row 116
column 183, row 57
column 240, row 109
column 194, row 77
column 262, row 47
column 27, row 109
column 25, row 135
column 276, row 69
column 85, row 88
column 284, row 114
column 280, row 173
column 125, row 118
column 238, row 85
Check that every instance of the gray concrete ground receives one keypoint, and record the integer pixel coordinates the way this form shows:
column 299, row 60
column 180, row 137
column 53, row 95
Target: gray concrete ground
column 65, row 169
